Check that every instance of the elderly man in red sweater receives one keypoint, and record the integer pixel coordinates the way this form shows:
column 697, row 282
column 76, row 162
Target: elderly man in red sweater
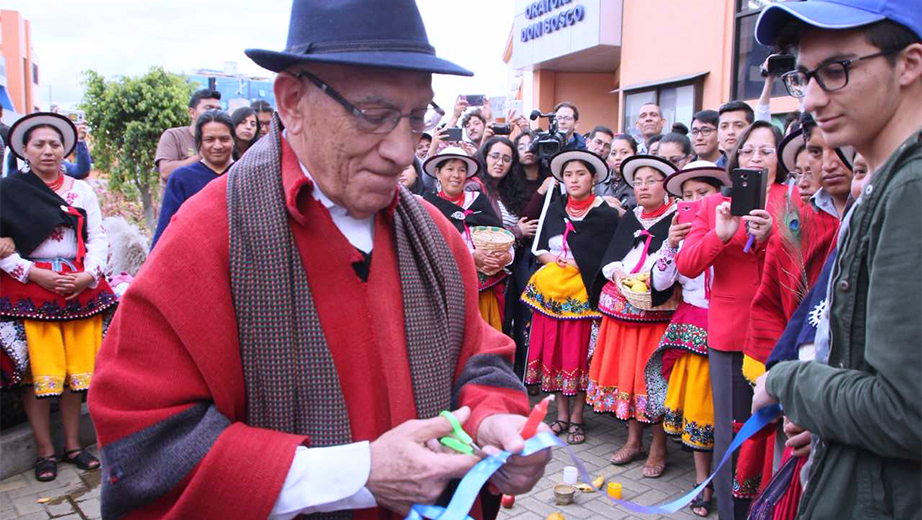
column 291, row 341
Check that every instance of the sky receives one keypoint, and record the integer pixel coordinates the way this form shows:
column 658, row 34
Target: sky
column 127, row 37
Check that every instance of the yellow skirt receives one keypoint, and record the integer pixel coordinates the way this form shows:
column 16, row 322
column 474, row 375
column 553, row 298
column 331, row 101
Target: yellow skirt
column 689, row 405
column 490, row 309
column 559, row 292
column 62, row 353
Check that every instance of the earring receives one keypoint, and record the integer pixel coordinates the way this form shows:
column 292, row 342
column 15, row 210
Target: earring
column 666, row 198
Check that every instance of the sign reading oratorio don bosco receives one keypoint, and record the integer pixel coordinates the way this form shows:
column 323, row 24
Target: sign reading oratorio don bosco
column 552, row 23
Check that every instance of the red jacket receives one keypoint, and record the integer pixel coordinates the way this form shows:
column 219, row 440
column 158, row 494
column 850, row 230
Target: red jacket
column 737, row 275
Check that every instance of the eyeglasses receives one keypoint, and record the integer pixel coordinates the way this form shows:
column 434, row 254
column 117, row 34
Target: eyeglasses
column 381, row 120
column 748, row 151
column 498, row 157
column 648, row 182
column 676, row 159
column 830, row 76
column 704, row 131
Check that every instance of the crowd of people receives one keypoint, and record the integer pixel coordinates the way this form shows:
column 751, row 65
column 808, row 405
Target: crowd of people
column 611, row 270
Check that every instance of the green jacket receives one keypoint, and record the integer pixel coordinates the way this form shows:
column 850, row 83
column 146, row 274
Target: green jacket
column 866, row 404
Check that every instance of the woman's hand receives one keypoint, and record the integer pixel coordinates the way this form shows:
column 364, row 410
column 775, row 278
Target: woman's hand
column 7, row 247
column 489, row 263
column 759, row 224
column 566, row 263
column 617, row 276
column 677, row 232
column 72, row 284
column 45, row 278
column 546, row 185
column 726, row 224
column 527, row 227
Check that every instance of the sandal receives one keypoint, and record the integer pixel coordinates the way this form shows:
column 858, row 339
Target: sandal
column 533, row 390
column 577, row 432
column 700, row 503
column 83, row 459
column 623, row 456
column 559, row 427
column 653, row 469
column 46, row 469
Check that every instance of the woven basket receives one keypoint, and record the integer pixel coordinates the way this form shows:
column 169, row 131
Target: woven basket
column 489, row 238
column 644, row 300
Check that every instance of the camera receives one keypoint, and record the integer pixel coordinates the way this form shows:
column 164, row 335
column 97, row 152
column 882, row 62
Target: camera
column 778, row 64
column 547, row 144
column 501, row 129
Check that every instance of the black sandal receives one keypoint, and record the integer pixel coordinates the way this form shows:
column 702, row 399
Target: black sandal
column 576, row 430
column 559, row 427
column 46, row 469
column 700, row 503
column 83, row 460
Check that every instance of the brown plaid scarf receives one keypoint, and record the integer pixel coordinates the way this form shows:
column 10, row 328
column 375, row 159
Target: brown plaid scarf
column 291, row 380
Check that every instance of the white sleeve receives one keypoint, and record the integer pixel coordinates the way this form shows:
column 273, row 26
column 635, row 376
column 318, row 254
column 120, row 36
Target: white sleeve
column 17, row 267
column 763, row 112
column 665, row 273
column 97, row 243
column 326, row 479
column 609, row 269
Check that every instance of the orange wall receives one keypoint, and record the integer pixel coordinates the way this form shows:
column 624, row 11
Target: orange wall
column 588, row 91
column 15, row 47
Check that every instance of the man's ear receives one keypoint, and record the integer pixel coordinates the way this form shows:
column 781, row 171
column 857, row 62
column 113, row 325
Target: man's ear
column 289, row 92
column 910, row 65
column 191, row 114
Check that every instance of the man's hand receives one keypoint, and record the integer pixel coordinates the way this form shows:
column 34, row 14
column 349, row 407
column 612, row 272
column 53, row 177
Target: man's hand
column 460, row 106
column 760, row 397
column 7, row 247
column 487, row 109
column 798, row 438
column 81, row 131
column 487, row 133
column 405, row 472
column 519, row 474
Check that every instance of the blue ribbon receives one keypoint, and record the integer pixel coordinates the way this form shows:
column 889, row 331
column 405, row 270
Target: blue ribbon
column 470, row 486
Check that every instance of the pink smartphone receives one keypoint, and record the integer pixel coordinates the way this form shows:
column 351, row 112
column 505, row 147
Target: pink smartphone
column 687, row 211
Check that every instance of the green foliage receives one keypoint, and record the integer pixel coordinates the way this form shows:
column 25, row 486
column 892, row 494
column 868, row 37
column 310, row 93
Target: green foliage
column 126, row 117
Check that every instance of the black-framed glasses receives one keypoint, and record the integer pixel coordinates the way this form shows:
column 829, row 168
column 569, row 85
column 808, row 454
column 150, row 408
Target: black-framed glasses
column 381, row 120
column 706, row 131
column 829, row 76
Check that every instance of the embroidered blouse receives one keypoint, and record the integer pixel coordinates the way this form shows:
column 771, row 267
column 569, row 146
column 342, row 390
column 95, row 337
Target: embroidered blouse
column 633, row 256
column 666, row 274
column 62, row 242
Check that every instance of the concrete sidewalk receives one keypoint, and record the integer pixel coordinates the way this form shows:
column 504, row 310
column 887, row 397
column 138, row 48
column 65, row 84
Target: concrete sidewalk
column 74, row 495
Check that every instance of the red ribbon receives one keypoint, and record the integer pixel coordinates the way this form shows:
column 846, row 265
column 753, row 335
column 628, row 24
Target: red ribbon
column 81, row 246
column 646, row 249
column 566, row 233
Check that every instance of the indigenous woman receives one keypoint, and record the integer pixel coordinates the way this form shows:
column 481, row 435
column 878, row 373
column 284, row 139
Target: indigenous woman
column 718, row 239
column 466, row 209
column 681, row 359
column 570, row 244
column 214, row 138
column 629, row 335
column 53, row 288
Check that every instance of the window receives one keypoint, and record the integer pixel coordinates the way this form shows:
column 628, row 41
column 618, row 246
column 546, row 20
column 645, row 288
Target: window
column 678, row 101
column 35, row 74
column 747, row 79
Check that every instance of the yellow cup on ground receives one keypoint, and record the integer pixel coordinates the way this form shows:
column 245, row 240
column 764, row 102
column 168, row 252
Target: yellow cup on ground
column 614, row 490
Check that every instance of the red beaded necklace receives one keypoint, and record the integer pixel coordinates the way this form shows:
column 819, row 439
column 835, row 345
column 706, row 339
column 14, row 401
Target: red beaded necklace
column 56, row 184
column 457, row 201
column 655, row 213
column 578, row 208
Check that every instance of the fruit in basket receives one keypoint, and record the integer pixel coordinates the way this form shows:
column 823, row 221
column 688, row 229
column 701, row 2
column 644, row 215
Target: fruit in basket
column 640, row 287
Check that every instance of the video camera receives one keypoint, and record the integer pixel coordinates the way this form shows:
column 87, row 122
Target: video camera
column 547, row 143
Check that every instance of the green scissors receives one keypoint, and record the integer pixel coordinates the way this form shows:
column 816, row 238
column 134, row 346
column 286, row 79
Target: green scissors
column 459, row 440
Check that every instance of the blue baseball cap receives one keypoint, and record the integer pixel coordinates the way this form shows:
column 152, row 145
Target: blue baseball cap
column 837, row 15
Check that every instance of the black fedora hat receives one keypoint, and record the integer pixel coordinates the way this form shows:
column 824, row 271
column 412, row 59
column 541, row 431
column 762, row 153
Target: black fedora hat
column 365, row 33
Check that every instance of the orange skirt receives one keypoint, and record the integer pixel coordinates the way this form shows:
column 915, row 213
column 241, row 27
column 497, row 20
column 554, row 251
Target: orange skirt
column 616, row 374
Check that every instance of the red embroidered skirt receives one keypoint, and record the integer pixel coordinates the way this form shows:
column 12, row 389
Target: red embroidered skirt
column 558, row 354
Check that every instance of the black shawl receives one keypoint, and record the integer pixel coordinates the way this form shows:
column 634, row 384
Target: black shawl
column 483, row 215
column 30, row 211
column 622, row 243
column 588, row 238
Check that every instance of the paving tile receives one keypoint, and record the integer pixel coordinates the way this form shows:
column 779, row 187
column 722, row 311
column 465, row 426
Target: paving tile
column 60, row 507
column 90, row 508
column 14, row 482
column 26, row 504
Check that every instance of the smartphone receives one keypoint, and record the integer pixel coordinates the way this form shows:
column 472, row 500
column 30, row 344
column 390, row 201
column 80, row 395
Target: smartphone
column 475, row 100
column 501, row 129
column 454, row 134
column 748, row 191
column 778, row 64
column 687, row 211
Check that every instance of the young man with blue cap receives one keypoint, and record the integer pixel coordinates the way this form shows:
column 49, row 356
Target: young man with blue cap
column 859, row 73
column 292, row 340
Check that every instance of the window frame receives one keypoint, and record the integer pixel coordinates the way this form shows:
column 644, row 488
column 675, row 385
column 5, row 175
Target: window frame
column 738, row 17
column 697, row 83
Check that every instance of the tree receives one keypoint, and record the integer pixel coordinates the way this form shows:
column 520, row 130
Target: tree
column 127, row 116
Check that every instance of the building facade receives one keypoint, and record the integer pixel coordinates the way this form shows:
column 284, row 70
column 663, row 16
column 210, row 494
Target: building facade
column 237, row 90
column 610, row 57
column 19, row 69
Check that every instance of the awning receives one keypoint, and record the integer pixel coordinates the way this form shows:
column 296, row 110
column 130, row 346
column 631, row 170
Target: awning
column 677, row 79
